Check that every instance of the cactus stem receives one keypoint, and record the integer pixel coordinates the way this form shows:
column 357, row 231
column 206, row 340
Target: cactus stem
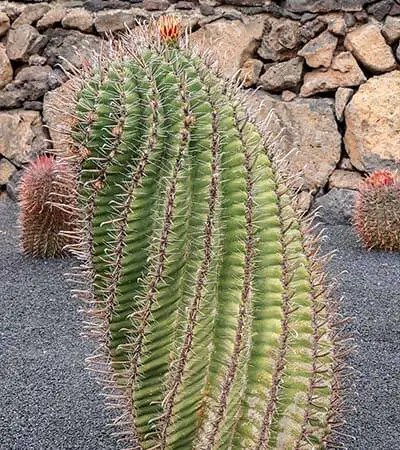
column 272, row 395
column 304, row 434
column 245, row 298
column 122, row 221
column 169, row 399
column 158, row 270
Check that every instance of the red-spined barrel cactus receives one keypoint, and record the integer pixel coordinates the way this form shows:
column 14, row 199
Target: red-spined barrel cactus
column 205, row 294
column 47, row 199
column 377, row 211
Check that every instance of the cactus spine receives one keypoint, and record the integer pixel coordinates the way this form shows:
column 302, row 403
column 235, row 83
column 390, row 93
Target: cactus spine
column 377, row 211
column 206, row 296
column 47, row 194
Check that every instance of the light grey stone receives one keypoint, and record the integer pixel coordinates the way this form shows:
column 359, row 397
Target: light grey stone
column 336, row 207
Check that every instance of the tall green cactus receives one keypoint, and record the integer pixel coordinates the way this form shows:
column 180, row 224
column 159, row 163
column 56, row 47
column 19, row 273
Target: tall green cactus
column 205, row 294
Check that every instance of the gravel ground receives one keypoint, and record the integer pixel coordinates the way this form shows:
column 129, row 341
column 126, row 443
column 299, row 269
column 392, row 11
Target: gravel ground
column 369, row 283
column 48, row 401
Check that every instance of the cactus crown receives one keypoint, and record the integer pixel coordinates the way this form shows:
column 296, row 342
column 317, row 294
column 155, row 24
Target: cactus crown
column 376, row 214
column 205, row 294
column 46, row 197
column 379, row 178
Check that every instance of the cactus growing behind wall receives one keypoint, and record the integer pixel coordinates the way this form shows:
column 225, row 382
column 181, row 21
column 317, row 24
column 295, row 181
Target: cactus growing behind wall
column 46, row 196
column 377, row 211
column 206, row 296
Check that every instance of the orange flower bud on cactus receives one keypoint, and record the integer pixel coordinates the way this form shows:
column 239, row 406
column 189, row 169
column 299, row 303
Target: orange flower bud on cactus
column 47, row 202
column 169, row 28
column 377, row 211
column 380, row 178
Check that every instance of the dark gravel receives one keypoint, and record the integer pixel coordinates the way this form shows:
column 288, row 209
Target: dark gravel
column 48, row 401
column 369, row 283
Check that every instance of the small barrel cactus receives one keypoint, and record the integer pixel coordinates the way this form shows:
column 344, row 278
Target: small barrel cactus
column 46, row 197
column 377, row 211
column 206, row 296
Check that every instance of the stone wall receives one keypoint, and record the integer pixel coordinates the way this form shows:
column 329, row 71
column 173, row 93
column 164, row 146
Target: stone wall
column 327, row 68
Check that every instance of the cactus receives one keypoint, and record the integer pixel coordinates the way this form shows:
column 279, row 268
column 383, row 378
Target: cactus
column 45, row 204
column 377, row 211
column 206, row 295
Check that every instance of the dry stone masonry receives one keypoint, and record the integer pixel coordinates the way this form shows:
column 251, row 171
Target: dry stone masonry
column 328, row 68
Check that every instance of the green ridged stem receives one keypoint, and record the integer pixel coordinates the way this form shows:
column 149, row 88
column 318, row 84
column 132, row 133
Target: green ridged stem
column 209, row 305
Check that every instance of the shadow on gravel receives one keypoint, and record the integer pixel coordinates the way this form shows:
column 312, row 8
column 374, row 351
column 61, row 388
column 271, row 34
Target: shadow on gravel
column 48, row 401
